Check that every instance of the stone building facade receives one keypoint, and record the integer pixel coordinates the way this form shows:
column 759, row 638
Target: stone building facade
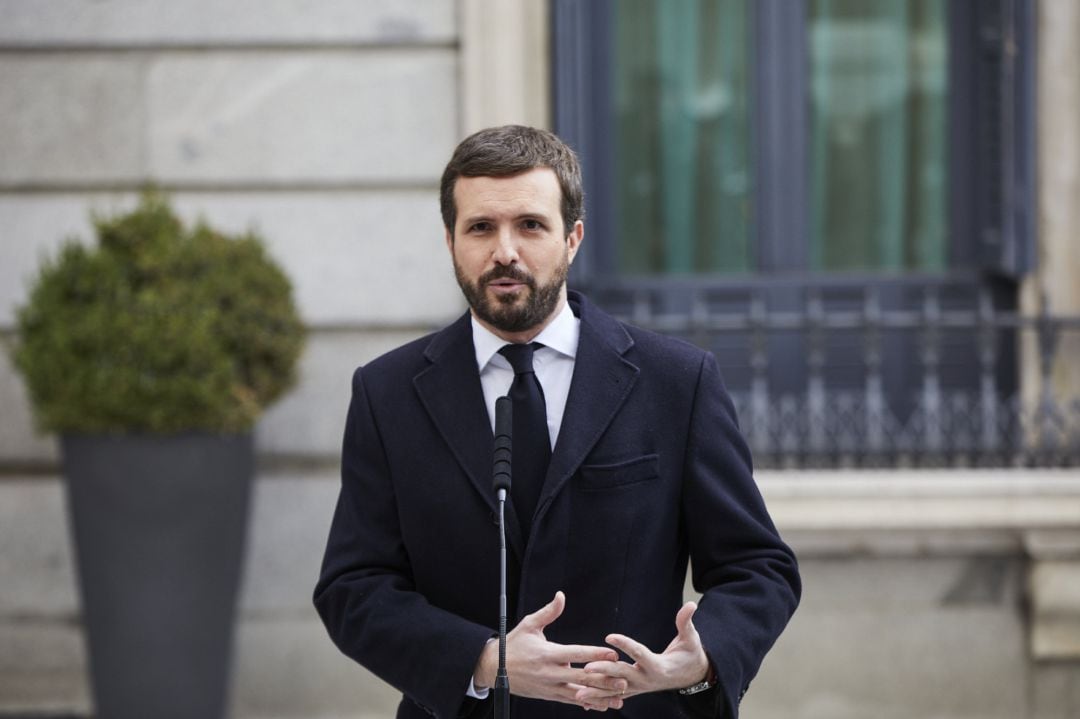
column 949, row 594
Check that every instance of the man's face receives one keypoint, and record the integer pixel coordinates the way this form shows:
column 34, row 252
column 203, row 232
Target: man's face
column 510, row 254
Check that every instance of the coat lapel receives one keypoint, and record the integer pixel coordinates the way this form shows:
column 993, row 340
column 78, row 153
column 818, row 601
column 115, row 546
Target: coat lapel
column 449, row 388
column 602, row 381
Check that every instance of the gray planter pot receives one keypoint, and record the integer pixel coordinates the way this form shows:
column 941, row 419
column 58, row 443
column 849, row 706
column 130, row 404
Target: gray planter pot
column 159, row 525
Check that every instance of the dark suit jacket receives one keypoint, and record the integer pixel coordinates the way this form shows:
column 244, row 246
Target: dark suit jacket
column 649, row 470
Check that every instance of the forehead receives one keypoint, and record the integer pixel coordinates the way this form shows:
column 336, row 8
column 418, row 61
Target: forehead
column 533, row 191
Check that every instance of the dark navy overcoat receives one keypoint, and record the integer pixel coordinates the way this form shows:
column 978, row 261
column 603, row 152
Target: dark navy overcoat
column 649, row 471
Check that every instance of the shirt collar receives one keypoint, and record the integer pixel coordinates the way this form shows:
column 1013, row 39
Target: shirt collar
column 561, row 335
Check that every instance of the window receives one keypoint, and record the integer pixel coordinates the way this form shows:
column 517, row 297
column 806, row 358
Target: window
column 759, row 136
column 834, row 196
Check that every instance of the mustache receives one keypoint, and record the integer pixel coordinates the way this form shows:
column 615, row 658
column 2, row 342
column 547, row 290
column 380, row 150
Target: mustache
column 507, row 272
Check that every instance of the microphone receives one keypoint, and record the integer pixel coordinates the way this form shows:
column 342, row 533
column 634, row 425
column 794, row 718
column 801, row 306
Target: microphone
column 504, row 428
column 503, row 460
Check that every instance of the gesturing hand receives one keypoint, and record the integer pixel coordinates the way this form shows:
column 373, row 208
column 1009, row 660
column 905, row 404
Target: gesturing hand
column 681, row 664
column 541, row 669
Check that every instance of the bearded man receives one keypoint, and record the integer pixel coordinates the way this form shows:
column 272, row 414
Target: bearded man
column 628, row 463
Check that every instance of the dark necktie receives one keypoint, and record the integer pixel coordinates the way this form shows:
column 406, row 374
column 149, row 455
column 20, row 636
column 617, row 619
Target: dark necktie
column 532, row 443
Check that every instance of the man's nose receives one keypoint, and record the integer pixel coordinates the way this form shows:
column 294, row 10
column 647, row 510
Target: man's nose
column 505, row 252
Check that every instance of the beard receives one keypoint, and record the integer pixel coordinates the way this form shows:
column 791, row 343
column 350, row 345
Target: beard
column 507, row 312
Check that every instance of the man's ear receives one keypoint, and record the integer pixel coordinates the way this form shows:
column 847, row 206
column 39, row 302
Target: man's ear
column 573, row 240
column 449, row 241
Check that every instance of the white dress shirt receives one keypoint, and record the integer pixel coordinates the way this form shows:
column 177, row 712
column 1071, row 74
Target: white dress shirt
column 553, row 364
column 554, row 367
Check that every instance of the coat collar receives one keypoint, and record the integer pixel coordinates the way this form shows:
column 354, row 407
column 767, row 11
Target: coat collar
column 449, row 388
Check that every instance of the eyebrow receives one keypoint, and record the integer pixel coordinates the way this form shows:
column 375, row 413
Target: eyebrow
column 538, row 215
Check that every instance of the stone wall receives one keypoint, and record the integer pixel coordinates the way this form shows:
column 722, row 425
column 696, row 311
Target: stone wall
column 950, row 594
column 325, row 127
column 322, row 125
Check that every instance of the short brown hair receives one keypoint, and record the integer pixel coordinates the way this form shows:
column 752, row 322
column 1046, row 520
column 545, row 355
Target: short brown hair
column 509, row 150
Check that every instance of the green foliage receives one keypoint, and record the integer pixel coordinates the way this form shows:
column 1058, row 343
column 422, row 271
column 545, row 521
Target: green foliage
column 159, row 329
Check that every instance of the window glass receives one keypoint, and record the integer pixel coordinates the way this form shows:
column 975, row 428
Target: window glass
column 684, row 132
column 878, row 128
column 683, row 150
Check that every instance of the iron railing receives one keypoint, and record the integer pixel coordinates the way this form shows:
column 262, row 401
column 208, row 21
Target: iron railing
column 909, row 371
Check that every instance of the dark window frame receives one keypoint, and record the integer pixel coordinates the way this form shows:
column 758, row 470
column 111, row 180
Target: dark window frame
column 991, row 129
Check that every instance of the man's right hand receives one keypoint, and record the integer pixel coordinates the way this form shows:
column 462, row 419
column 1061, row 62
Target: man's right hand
column 540, row 669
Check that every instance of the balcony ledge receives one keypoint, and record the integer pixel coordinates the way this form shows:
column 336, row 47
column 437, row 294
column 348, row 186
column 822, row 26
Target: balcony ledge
column 1031, row 513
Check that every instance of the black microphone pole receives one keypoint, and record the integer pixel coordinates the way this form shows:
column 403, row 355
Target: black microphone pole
column 504, row 427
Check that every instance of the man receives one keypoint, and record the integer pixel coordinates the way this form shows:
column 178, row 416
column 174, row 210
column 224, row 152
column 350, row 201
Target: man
column 645, row 468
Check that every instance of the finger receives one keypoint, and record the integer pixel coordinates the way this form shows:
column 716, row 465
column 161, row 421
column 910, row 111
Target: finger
column 633, row 649
column 620, row 670
column 592, row 694
column 546, row 614
column 684, row 623
column 565, row 692
column 580, row 654
column 601, row 703
column 590, row 699
column 594, row 699
column 560, row 674
column 602, row 684
column 588, row 695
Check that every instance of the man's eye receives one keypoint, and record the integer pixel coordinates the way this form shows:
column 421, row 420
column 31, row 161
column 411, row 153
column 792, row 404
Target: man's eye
column 480, row 227
column 532, row 225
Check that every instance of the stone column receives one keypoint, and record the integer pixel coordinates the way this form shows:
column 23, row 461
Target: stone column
column 1054, row 594
column 1056, row 282
column 504, row 64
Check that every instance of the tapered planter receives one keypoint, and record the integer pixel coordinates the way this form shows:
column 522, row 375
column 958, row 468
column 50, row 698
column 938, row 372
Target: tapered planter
column 159, row 524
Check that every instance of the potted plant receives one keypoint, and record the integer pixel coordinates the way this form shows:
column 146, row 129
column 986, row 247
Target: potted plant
column 152, row 355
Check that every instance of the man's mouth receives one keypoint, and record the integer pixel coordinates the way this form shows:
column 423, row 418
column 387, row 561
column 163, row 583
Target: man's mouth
column 505, row 284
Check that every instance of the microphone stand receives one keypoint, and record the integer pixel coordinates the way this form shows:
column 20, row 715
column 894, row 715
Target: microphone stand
column 503, row 461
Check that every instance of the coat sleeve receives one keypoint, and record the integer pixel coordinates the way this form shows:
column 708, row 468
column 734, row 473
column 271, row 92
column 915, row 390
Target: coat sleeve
column 748, row 577
column 366, row 595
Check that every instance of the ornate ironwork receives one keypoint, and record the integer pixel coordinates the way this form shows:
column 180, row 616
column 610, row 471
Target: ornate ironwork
column 910, row 371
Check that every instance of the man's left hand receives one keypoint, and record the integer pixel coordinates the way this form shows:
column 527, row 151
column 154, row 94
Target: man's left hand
column 682, row 664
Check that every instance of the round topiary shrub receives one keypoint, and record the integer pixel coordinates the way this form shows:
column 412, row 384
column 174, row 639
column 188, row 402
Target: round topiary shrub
column 158, row 329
